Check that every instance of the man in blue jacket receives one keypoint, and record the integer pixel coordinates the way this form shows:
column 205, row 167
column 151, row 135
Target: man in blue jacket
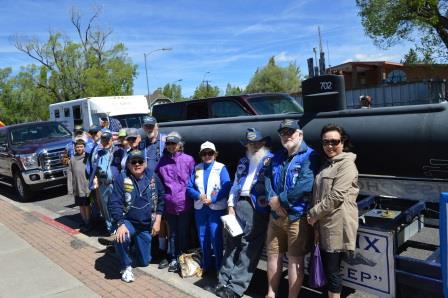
column 136, row 193
column 289, row 183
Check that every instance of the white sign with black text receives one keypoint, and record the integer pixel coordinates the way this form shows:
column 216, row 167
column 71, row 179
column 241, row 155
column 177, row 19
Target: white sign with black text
column 372, row 269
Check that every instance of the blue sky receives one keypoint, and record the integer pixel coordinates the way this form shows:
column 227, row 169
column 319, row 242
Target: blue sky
column 220, row 41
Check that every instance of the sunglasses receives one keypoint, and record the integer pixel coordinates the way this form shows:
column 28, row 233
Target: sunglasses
column 131, row 139
column 170, row 143
column 209, row 153
column 286, row 132
column 331, row 142
column 137, row 162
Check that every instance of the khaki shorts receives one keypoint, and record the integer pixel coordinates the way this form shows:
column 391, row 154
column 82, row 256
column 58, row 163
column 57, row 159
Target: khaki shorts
column 294, row 238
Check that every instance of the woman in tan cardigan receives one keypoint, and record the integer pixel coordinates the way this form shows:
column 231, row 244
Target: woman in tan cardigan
column 334, row 204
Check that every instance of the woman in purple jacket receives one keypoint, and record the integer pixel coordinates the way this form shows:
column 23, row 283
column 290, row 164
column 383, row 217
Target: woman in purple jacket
column 174, row 169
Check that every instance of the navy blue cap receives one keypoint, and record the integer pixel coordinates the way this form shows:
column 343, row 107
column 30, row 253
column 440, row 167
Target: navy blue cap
column 136, row 154
column 93, row 129
column 149, row 120
column 253, row 135
column 289, row 123
column 106, row 134
column 172, row 139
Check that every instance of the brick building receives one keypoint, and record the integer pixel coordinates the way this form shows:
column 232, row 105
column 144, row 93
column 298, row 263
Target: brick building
column 375, row 73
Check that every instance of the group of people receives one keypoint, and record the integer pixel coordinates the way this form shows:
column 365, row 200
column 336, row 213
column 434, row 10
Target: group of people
column 147, row 186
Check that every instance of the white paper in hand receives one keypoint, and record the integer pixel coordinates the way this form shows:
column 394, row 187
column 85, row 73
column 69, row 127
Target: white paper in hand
column 232, row 225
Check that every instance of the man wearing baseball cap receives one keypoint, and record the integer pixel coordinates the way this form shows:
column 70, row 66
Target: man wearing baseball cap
column 136, row 193
column 154, row 142
column 130, row 141
column 248, row 202
column 101, row 176
column 289, row 182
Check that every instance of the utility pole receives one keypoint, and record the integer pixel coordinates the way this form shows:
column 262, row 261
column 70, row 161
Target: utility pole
column 146, row 70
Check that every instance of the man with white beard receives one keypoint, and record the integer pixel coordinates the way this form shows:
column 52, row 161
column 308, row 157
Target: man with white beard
column 248, row 202
column 289, row 182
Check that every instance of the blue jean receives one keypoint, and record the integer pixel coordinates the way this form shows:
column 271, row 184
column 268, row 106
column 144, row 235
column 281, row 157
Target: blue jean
column 179, row 233
column 142, row 243
column 209, row 226
column 105, row 192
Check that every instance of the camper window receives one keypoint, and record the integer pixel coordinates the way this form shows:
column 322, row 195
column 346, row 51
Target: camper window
column 56, row 113
column 66, row 112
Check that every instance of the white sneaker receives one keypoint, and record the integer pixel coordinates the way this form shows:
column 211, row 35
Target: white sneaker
column 127, row 275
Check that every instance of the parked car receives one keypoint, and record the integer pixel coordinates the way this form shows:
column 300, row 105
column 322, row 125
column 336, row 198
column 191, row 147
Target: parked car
column 227, row 106
column 31, row 156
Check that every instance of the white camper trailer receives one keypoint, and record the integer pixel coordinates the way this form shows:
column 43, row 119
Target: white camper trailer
column 129, row 110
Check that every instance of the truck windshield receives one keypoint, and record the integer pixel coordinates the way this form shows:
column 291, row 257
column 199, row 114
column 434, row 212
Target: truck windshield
column 275, row 104
column 27, row 134
column 131, row 120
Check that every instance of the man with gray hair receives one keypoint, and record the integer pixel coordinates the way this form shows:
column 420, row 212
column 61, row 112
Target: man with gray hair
column 289, row 182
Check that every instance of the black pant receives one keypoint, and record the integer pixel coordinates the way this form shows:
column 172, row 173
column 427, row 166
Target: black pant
column 332, row 267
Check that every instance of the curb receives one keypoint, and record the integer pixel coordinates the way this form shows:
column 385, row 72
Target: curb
column 169, row 278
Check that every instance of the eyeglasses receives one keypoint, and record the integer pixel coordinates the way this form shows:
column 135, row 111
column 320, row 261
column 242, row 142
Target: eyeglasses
column 286, row 132
column 170, row 143
column 137, row 162
column 209, row 153
column 331, row 142
column 131, row 139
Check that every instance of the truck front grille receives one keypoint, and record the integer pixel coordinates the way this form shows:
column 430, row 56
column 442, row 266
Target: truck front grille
column 51, row 159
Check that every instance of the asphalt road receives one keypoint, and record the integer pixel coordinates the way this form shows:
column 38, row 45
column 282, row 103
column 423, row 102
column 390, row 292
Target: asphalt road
column 58, row 203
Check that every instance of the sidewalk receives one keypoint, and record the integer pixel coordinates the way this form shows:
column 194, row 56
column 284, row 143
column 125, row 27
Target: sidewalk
column 43, row 258
column 26, row 272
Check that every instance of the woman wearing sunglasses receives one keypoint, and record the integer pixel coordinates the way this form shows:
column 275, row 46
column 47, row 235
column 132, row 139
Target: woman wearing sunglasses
column 334, row 204
column 174, row 169
column 209, row 187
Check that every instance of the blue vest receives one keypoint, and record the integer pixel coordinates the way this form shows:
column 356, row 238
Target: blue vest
column 153, row 160
column 284, row 179
column 103, row 166
column 257, row 191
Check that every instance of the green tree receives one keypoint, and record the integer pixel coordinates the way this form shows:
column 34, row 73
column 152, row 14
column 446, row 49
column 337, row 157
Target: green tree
column 173, row 91
column 413, row 57
column 410, row 58
column 389, row 21
column 233, row 90
column 204, row 90
column 21, row 99
column 274, row 78
column 80, row 69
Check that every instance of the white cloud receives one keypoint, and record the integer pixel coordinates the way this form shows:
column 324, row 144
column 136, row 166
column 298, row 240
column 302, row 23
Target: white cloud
column 374, row 57
column 284, row 57
column 257, row 28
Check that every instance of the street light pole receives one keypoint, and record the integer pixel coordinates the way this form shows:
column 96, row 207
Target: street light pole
column 146, row 69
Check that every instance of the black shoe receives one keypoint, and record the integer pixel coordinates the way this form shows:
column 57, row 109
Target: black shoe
column 85, row 228
column 209, row 289
column 228, row 293
column 106, row 241
column 163, row 264
column 173, row 266
column 219, row 290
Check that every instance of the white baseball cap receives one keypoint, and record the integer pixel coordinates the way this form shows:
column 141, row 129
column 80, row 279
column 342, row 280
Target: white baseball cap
column 208, row 145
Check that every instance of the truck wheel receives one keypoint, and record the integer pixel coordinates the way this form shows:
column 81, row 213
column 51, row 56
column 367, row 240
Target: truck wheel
column 23, row 192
